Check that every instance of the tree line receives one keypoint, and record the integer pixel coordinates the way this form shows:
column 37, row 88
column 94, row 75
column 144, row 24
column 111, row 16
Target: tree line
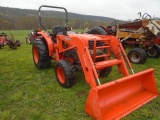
column 26, row 19
column 32, row 23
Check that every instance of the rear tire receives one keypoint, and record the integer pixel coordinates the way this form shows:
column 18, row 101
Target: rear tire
column 98, row 31
column 40, row 53
column 65, row 73
column 18, row 43
column 137, row 56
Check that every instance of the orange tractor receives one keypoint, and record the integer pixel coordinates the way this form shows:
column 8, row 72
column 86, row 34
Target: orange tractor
column 92, row 55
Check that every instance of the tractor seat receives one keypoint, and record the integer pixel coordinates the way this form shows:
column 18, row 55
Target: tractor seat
column 57, row 29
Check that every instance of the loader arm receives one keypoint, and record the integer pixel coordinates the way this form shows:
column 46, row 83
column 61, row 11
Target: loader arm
column 81, row 45
column 88, row 64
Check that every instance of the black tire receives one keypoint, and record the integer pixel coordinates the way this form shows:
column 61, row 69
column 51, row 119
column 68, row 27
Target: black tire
column 1, row 45
column 40, row 54
column 154, row 52
column 105, row 72
column 65, row 73
column 18, row 43
column 97, row 30
column 72, row 54
column 137, row 56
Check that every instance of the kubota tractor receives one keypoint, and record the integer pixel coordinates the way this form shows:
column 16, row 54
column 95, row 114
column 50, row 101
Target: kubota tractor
column 92, row 55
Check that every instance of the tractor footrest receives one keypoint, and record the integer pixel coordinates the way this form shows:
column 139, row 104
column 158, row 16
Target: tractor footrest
column 107, row 63
column 105, row 55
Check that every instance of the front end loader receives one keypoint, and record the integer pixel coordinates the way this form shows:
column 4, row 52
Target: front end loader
column 93, row 55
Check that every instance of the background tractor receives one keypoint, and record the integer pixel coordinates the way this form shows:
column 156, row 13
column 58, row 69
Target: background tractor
column 11, row 42
column 31, row 37
column 142, row 34
column 3, row 40
column 92, row 54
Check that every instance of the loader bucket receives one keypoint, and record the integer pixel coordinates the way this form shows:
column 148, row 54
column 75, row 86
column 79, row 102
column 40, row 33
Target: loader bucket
column 118, row 98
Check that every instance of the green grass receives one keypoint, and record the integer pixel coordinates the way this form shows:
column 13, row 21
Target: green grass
column 27, row 93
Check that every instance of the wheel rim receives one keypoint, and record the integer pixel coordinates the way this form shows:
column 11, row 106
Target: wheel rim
column 35, row 53
column 135, row 57
column 60, row 74
column 152, row 52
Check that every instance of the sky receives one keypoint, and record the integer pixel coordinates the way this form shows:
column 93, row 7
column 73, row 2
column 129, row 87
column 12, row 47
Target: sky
column 118, row 9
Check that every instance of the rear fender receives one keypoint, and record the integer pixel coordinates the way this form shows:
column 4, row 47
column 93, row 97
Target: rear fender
column 157, row 41
column 48, row 41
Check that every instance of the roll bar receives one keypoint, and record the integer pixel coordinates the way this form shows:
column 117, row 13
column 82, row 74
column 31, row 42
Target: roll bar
column 40, row 23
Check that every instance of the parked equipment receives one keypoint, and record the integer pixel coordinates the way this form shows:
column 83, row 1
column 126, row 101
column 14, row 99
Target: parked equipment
column 143, row 34
column 92, row 55
column 11, row 42
column 3, row 40
column 30, row 37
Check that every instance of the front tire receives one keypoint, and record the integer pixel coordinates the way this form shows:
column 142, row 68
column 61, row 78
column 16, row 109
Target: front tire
column 40, row 53
column 137, row 56
column 154, row 52
column 65, row 73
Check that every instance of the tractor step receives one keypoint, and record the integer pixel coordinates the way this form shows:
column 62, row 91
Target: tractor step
column 107, row 63
column 100, row 47
column 105, row 55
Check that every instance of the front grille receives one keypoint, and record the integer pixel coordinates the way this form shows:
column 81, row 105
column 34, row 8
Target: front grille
column 91, row 44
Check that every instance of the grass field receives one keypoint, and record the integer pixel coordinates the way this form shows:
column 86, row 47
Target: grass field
column 27, row 93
